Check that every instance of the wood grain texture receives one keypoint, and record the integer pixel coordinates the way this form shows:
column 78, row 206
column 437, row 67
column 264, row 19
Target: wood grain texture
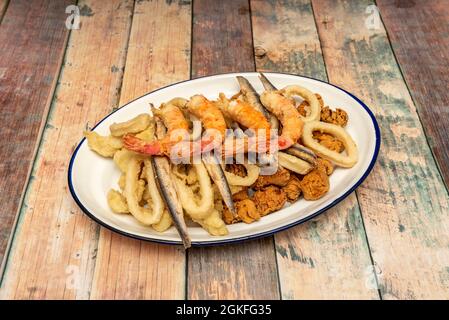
column 55, row 246
column 32, row 43
column 404, row 202
column 221, row 37
column 419, row 33
column 328, row 257
column 158, row 54
column 222, row 43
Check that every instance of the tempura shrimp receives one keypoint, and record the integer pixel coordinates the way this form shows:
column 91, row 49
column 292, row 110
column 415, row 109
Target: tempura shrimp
column 284, row 109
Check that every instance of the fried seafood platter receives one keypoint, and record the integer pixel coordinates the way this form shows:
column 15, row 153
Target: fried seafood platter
column 224, row 158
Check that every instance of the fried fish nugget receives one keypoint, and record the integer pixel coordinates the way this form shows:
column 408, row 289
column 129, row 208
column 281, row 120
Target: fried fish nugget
column 269, row 199
column 325, row 166
column 241, row 195
column 135, row 125
column 338, row 117
column 314, row 185
column 280, row 178
column 228, row 217
column 105, row 146
column 293, row 189
column 247, row 210
column 117, row 202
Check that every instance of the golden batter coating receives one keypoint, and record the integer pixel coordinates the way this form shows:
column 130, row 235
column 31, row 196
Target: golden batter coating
column 292, row 190
column 241, row 195
column 325, row 166
column 247, row 211
column 280, row 178
column 269, row 199
column 314, row 184
column 338, row 117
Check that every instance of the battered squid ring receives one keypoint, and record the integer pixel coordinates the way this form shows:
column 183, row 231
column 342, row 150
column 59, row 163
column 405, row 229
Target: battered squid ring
column 309, row 96
column 186, row 196
column 346, row 161
column 252, row 173
column 146, row 216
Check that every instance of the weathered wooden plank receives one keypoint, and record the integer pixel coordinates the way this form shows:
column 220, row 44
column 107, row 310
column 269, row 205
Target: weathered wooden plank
column 32, row 43
column 158, row 54
column 55, row 245
column 222, row 43
column 404, row 202
column 328, row 257
column 419, row 32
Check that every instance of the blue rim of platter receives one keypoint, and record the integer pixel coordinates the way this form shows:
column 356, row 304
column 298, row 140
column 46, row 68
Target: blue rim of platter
column 243, row 238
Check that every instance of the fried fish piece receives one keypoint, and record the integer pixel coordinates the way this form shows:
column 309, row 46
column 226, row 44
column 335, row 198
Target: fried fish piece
column 325, row 166
column 280, row 178
column 269, row 199
column 329, row 141
column 241, row 195
column 247, row 211
column 314, row 184
column 338, row 117
column 292, row 190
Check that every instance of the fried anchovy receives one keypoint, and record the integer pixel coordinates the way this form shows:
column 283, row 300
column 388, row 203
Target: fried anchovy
column 161, row 167
column 266, row 83
column 303, row 153
column 213, row 166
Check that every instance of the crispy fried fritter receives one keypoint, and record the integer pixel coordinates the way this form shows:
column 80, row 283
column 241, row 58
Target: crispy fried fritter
column 280, row 178
column 338, row 117
column 269, row 199
column 303, row 107
column 241, row 195
column 247, row 211
column 325, row 166
column 237, row 169
column 227, row 216
column 292, row 190
column 314, row 184
column 329, row 141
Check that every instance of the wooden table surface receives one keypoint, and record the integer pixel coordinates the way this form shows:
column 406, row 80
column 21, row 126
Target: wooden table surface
column 387, row 240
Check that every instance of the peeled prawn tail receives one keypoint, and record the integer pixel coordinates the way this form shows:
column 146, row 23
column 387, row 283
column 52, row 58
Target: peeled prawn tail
column 135, row 144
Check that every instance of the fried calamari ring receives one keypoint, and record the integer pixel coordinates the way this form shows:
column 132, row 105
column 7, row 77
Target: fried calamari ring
column 187, row 197
column 346, row 161
column 252, row 173
column 293, row 163
column 146, row 216
column 309, row 96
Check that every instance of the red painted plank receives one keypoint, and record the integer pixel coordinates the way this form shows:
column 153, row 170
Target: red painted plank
column 419, row 34
column 32, row 43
